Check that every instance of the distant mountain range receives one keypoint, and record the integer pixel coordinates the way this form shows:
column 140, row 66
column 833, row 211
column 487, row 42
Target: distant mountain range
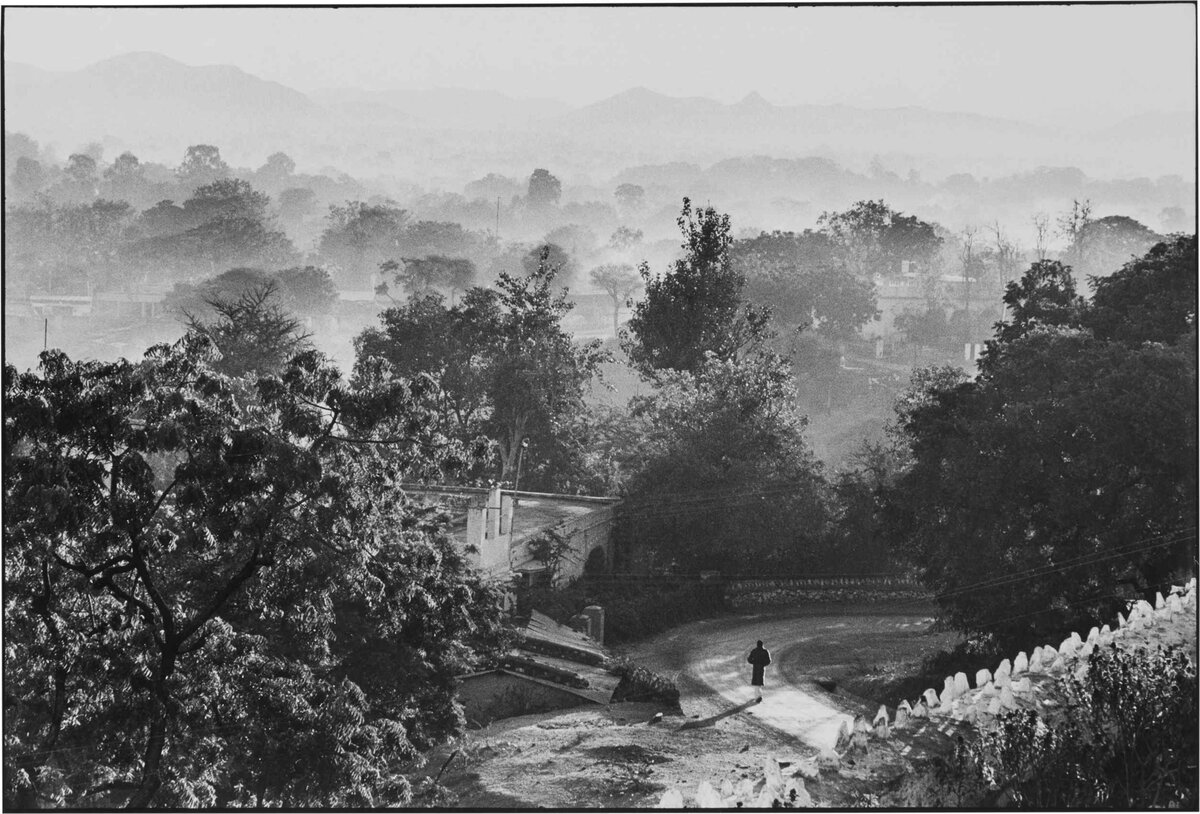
column 157, row 106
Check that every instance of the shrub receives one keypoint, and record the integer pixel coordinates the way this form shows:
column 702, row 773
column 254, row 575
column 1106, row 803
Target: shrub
column 640, row 684
column 1128, row 741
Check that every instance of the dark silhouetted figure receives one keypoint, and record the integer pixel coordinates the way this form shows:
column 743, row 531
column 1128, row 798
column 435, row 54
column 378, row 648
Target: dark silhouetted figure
column 760, row 657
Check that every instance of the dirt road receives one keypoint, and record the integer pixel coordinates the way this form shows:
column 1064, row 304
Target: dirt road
column 813, row 653
column 622, row 756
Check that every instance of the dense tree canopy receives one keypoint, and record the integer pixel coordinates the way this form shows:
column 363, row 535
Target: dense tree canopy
column 202, row 164
column 1105, row 244
column 60, row 249
column 211, row 600
column 696, row 308
column 1151, row 299
column 723, row 478
column 360, row 237
column 251, row 332
column 799, row 278
column 1062, row 480
column 505, row 366
column 544, row 189
column 871, row 239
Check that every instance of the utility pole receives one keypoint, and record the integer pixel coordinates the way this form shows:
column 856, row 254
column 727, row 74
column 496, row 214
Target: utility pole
column 497, row 217
column 45, row 332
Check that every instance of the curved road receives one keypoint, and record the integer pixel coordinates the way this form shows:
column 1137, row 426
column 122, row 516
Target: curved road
column 709, row 658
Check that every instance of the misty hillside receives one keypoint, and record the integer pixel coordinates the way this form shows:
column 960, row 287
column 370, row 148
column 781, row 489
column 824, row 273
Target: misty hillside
column 148, row 93
column 453, row 108
column 158, row 106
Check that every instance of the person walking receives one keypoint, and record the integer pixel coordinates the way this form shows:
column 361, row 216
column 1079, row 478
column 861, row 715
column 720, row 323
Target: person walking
column 759, row 657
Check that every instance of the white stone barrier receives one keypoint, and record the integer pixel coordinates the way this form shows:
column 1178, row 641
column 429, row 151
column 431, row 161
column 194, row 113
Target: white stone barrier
column 1020, row 663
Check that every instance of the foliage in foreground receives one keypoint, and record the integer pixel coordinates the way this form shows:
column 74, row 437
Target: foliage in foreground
column 214, row 594
column 1126, row 740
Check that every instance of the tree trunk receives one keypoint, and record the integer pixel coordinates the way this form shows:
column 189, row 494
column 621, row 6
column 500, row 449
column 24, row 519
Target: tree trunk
column 151, row 780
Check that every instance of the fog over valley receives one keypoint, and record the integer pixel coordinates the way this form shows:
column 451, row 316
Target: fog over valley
column 431, row 406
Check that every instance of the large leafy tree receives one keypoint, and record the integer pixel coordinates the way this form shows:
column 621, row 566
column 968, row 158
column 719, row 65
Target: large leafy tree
column 359, row 237
column 252, row 333
column 538, row 372
column 505, row 366
column 871, row 238
column 1044, row 296
column 1059, row 482
column 544, row 189
column 723, row 477
column 1106, row 244
column 1151, row 299
column 223, row 224
column 421, row 277
column 213, row 600
column 424, row 337
column 798, row 276
column 303, row 290
column 226, row 198
column 202, row 164
column 619, row 281
column 696, row 308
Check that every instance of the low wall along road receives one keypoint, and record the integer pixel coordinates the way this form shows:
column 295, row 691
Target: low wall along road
column 742, row 592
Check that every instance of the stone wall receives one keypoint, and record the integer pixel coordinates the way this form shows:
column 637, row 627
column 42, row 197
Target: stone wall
column 497, row 694
column 1029, row 680
column 752, row 593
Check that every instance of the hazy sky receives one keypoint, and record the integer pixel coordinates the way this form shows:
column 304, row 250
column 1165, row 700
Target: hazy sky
column 1090, row 63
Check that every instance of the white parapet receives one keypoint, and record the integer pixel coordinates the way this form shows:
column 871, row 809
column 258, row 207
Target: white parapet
column 948, row 691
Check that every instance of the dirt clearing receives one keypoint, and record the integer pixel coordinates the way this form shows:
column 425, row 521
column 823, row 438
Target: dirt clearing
column 613, row 757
